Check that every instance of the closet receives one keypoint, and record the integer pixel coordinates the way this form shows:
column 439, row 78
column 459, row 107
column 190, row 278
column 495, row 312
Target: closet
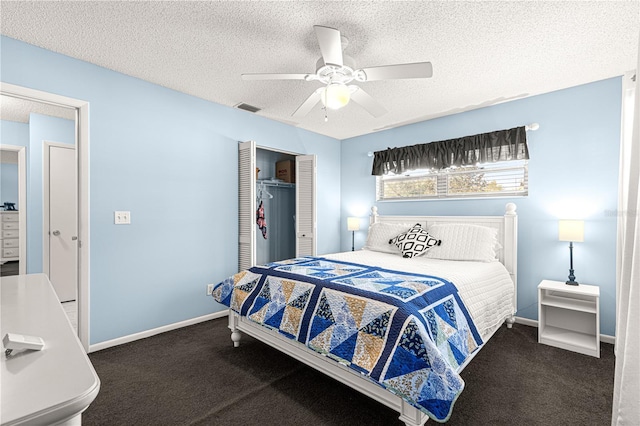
column 276, row 218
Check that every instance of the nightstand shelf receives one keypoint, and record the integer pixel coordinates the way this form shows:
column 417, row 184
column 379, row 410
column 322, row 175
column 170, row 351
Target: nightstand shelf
column 568, row 303
column 561, row 337
column 569, row 317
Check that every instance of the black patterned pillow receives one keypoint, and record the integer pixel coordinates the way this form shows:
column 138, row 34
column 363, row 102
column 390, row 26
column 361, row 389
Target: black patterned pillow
column 415, row 241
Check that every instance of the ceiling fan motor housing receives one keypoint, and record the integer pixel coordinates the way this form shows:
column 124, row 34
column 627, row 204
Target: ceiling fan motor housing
column 329, row 73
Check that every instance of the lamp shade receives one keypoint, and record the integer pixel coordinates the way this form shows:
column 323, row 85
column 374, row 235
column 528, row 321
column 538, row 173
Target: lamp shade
column 353, row 223
column 571, row 230
column 335, row 95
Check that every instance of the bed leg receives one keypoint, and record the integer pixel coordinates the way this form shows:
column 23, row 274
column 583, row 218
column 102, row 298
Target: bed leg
column 411, row 416
column 235, row 334
column 510, row 321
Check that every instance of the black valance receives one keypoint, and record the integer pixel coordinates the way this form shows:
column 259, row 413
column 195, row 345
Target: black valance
column 502, row 145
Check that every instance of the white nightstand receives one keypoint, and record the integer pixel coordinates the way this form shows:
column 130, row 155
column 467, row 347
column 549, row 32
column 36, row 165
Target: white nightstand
column 569, row 316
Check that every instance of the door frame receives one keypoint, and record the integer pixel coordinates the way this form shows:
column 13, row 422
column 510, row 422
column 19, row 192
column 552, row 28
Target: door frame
column 22, row 204
column 46, row 231
column 82, row 157
column 248, row 211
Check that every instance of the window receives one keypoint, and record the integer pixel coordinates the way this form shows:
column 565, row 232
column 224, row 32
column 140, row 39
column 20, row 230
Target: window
column 505, row 178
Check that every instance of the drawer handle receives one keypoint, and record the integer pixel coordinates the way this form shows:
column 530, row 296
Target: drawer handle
column 56, row 233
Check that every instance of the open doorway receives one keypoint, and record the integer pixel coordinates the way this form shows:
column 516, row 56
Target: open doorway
column 45, row 118
column 12, row 210
column 259, row 173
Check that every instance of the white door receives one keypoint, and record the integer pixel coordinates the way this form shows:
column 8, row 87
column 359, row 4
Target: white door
column 246, row 205
column 62, row 222
column 306, row 205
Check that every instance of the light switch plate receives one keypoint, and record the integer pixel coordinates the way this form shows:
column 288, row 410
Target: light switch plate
column 122, row 218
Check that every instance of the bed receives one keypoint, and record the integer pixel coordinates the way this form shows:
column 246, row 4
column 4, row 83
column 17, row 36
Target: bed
column 397, row 321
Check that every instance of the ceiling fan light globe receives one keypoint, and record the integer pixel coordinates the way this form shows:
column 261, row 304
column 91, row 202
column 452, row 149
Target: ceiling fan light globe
column 335, row 96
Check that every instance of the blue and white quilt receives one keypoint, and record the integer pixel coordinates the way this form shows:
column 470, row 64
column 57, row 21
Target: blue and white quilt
column 409, row 333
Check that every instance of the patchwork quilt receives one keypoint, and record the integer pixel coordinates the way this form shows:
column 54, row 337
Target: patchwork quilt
column 409, row 333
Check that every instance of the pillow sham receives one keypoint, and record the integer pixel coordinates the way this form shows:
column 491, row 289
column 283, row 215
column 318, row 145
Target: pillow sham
column 464, row 242
column 380, row 234
column 414, row 242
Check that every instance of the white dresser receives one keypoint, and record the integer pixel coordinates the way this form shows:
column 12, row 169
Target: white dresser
column 9, row 238
column 48, row 387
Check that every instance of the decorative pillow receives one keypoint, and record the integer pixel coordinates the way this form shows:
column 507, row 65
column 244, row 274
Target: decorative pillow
column 380, row 233
column 414, row 242
column 464, row 242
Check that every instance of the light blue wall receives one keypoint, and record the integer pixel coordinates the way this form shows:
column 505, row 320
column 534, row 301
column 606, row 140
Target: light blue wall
column 170, row 159
column 9, row 185
column 50, row 129
column 11, row 133
column 573, row 173
column 14, row 133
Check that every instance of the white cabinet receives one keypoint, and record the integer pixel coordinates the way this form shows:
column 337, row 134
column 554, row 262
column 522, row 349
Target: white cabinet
column 569, row 317
column 49, row 387
column 9, row 236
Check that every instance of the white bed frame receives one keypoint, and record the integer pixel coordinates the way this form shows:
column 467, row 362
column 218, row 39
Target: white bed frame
column 507, row 227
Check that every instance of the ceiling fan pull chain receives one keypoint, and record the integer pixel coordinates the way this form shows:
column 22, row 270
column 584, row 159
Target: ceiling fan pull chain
column 325, row 114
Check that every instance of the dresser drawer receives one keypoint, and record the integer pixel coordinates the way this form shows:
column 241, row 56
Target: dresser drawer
column 10, row 233
column 10, row 217
column 10, row 252
column 9, row 225
column 13, row 242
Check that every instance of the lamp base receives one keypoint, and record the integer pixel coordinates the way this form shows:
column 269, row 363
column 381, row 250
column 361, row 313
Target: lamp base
column 572, row 277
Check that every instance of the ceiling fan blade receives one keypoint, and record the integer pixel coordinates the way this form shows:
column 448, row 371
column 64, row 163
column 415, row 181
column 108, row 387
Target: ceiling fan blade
column 274, row 76
column 365, row 100
column 308, row 105
column 390, row 72
column 330, row 45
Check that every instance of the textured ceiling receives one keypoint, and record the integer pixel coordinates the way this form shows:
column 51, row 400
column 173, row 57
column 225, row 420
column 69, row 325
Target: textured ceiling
column 482, row 52
column 14, row 109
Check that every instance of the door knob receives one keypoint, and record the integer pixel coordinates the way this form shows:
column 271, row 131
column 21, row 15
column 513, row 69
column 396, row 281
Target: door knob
column 56, row 233
column 74, row 238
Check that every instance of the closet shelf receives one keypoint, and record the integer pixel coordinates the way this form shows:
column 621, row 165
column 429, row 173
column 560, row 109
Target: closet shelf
column 278, row 183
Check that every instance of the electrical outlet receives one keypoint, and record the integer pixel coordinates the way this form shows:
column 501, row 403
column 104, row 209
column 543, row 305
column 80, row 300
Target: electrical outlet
column 122, row 218
column 209, row 289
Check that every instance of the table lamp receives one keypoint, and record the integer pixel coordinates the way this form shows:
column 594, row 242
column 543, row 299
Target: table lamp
column 353, row 225
column 572, row 231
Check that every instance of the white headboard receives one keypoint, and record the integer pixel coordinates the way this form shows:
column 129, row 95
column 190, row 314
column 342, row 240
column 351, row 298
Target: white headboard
column 506, row 225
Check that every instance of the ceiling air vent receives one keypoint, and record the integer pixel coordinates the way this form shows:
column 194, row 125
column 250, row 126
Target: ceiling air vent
column 247, row 107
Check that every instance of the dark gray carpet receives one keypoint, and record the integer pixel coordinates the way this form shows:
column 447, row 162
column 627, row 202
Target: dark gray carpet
column 194, row 376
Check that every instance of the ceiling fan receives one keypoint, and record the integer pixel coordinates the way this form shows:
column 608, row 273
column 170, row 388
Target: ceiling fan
column 336, row 70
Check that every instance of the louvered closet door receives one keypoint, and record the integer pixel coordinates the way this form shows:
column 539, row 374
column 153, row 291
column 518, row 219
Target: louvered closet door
column 246, row 204
column 306, row 205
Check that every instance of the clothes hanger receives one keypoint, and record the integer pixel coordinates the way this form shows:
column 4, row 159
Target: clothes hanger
column 262, row 191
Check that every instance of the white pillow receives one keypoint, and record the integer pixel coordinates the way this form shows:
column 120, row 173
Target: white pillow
column 380, row 234
column 463, row 242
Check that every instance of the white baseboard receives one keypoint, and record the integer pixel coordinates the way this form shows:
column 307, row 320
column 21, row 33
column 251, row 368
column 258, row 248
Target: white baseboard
column 527, row 321
column 605, row 338
column 608, row 339
column 148, row 333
